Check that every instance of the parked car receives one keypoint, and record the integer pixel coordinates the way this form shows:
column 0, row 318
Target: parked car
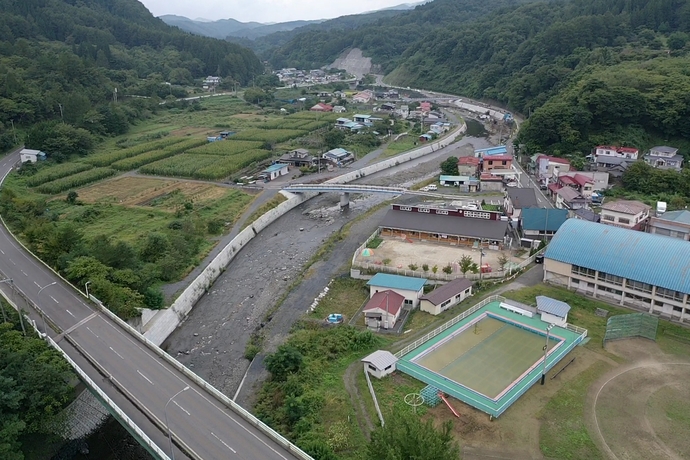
column 431, row 188
column 539, row 259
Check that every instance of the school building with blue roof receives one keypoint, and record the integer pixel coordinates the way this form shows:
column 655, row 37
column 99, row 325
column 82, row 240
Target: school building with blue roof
column 408, row 287
column 644, row 271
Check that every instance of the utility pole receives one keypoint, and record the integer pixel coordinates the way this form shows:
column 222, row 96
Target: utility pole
column 62, row 115
column 546, row 350
column 115, row 95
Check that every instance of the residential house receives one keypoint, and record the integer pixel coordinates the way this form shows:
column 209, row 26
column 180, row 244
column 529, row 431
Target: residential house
column 323, row 94
column 363, row 97
column 439, row 127
column 541, row 223
column 585, row 214
column 465, row 183
column 488, row 182
column 548, row 167
column 211, row 82
column 497, row 162
column 383, row 309
column 675, row 224
column 339, row 109
column 387, row 106
column 298, row 158
column 614, row 166
column 519, row 198
column 468, row 166
column 393, row 94
column 342, row 122
column 426, row 137
column 363, row 119
column 411, row 289
column 598, row 181
column 346, row 124
column 610, row 151
column 380, row 363
column 581, row 184
column 664, row 157
column 552, row 311
column 322, row 107
column 569, row 198
column 625, row 213
column 274, row 171
column 403, row 111
column 31, row 156
column 446, row 296
column 339, row 156
column 490, row 151
column 425, row 106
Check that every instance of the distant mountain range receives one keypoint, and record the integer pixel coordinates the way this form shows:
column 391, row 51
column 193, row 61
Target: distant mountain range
column 225, row 28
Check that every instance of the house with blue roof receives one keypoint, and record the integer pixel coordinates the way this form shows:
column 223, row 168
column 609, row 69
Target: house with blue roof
column 552, row 311
column 410, row 288
column 541, row 223
column 490, row 151
column 643, row 271
column 275, row 171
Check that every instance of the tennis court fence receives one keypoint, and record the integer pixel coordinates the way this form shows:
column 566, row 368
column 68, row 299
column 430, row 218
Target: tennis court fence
column 632, row 325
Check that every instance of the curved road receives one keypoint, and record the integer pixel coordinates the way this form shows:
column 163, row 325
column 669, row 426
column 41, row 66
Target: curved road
column 197, row 419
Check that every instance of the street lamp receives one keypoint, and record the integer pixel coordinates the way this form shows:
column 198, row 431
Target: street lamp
column 165, row 412
column 481, row 261
column 38, row 303
column 87, row 289
column 4, row 315
column 546, row 349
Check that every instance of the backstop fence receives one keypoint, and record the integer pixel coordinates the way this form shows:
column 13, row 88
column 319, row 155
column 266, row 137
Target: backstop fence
column 632, row 325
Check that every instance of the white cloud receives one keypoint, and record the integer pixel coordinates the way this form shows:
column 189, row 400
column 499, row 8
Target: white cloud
column 265, row 10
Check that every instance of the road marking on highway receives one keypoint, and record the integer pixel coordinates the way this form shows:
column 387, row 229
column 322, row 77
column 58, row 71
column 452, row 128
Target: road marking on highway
column 147, row 379
column 24, row 273
column 223, row 442
column 181, row 408
column 91, row 316
column 118, row 354
column 12, row 262
column 70, row 313
column 2, row 251
column 37, row 284
column 53, row 299
column 89, row 329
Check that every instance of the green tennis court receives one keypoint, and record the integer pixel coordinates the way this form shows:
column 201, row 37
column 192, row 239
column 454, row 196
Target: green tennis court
column 487, row 357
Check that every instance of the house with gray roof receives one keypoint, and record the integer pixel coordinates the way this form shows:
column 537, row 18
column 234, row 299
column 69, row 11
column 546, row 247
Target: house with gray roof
column 380, row 363
column 518, row 198
column 640, row 270
column 446, row 296
column 664, row 157
column 675, row 224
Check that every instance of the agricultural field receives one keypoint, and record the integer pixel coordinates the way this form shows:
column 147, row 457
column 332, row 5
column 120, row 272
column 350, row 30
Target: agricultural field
column 75, row 180
column 208, row 167
column 269, row 135
column 131, row 207
column 227, row 147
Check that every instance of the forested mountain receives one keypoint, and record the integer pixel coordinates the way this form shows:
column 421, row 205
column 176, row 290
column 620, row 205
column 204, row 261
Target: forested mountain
column 224, row 28
column 63, row 60
column 385, row 39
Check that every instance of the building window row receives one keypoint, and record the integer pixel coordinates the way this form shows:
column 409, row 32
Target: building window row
column 670, row 294
column 583, row 271
column 639, row 286
column 611, row 279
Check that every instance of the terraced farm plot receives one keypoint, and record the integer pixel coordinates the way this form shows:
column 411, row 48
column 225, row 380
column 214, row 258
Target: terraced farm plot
column 107, row 158
column 75, row 180
column 154, row 155
column 53, row 172
column 167, row 195
column 269, row 135
column 207, row 167
column 226, row 147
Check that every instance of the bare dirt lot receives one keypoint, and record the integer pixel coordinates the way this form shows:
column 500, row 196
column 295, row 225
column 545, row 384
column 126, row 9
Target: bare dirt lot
column 642, row 410
column 402, row 253
column 354, row 62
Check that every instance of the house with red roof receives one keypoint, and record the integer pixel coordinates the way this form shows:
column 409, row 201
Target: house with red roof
column 383, row 309
column 468, row 166
column 548, row 168
column 322, row 107
column 425, row 106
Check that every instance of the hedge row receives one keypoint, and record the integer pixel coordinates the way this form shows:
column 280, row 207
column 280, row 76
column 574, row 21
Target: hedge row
column 75, row 180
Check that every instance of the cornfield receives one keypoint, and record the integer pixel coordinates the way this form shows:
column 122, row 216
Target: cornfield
column 50, row 173
column 75, row 180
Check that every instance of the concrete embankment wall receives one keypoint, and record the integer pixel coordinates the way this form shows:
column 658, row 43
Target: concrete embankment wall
column 164, row 322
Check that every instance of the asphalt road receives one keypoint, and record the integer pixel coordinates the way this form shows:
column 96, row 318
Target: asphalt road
column 206, row 426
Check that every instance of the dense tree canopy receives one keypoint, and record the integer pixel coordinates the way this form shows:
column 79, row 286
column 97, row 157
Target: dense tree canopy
column 34, row 386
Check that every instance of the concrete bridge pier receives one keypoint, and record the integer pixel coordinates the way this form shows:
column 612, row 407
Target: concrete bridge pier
column 345, row 200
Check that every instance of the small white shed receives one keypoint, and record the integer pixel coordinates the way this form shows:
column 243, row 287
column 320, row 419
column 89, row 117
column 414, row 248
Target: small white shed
column 30, row 155
column 552, row 311
column 380, row 363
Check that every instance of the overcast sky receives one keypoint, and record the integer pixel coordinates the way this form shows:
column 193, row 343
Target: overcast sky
column 266, row 10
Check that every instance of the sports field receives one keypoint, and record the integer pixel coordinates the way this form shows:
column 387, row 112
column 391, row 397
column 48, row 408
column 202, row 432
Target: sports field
column 487, row 357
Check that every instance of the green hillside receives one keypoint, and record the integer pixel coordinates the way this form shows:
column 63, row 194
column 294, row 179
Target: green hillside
column 63, row 60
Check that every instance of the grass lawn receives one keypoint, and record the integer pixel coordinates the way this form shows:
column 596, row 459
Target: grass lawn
column 402, row 145
column 563, row 433
column 345, row 296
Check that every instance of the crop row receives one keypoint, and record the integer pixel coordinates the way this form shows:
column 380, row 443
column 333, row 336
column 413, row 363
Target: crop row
column 52, row 172
column 314, row 116
column 226, row 147
column 107, row 158
column 284, row 123
column 313, row 125
column 140, row 160
column 269, row 135
column 75, row 180
column 204, row 166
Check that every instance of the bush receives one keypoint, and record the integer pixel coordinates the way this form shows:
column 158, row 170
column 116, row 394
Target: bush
column 448, row 269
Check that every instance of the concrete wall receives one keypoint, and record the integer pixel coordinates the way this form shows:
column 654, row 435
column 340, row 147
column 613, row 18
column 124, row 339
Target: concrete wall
column 165, row 322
